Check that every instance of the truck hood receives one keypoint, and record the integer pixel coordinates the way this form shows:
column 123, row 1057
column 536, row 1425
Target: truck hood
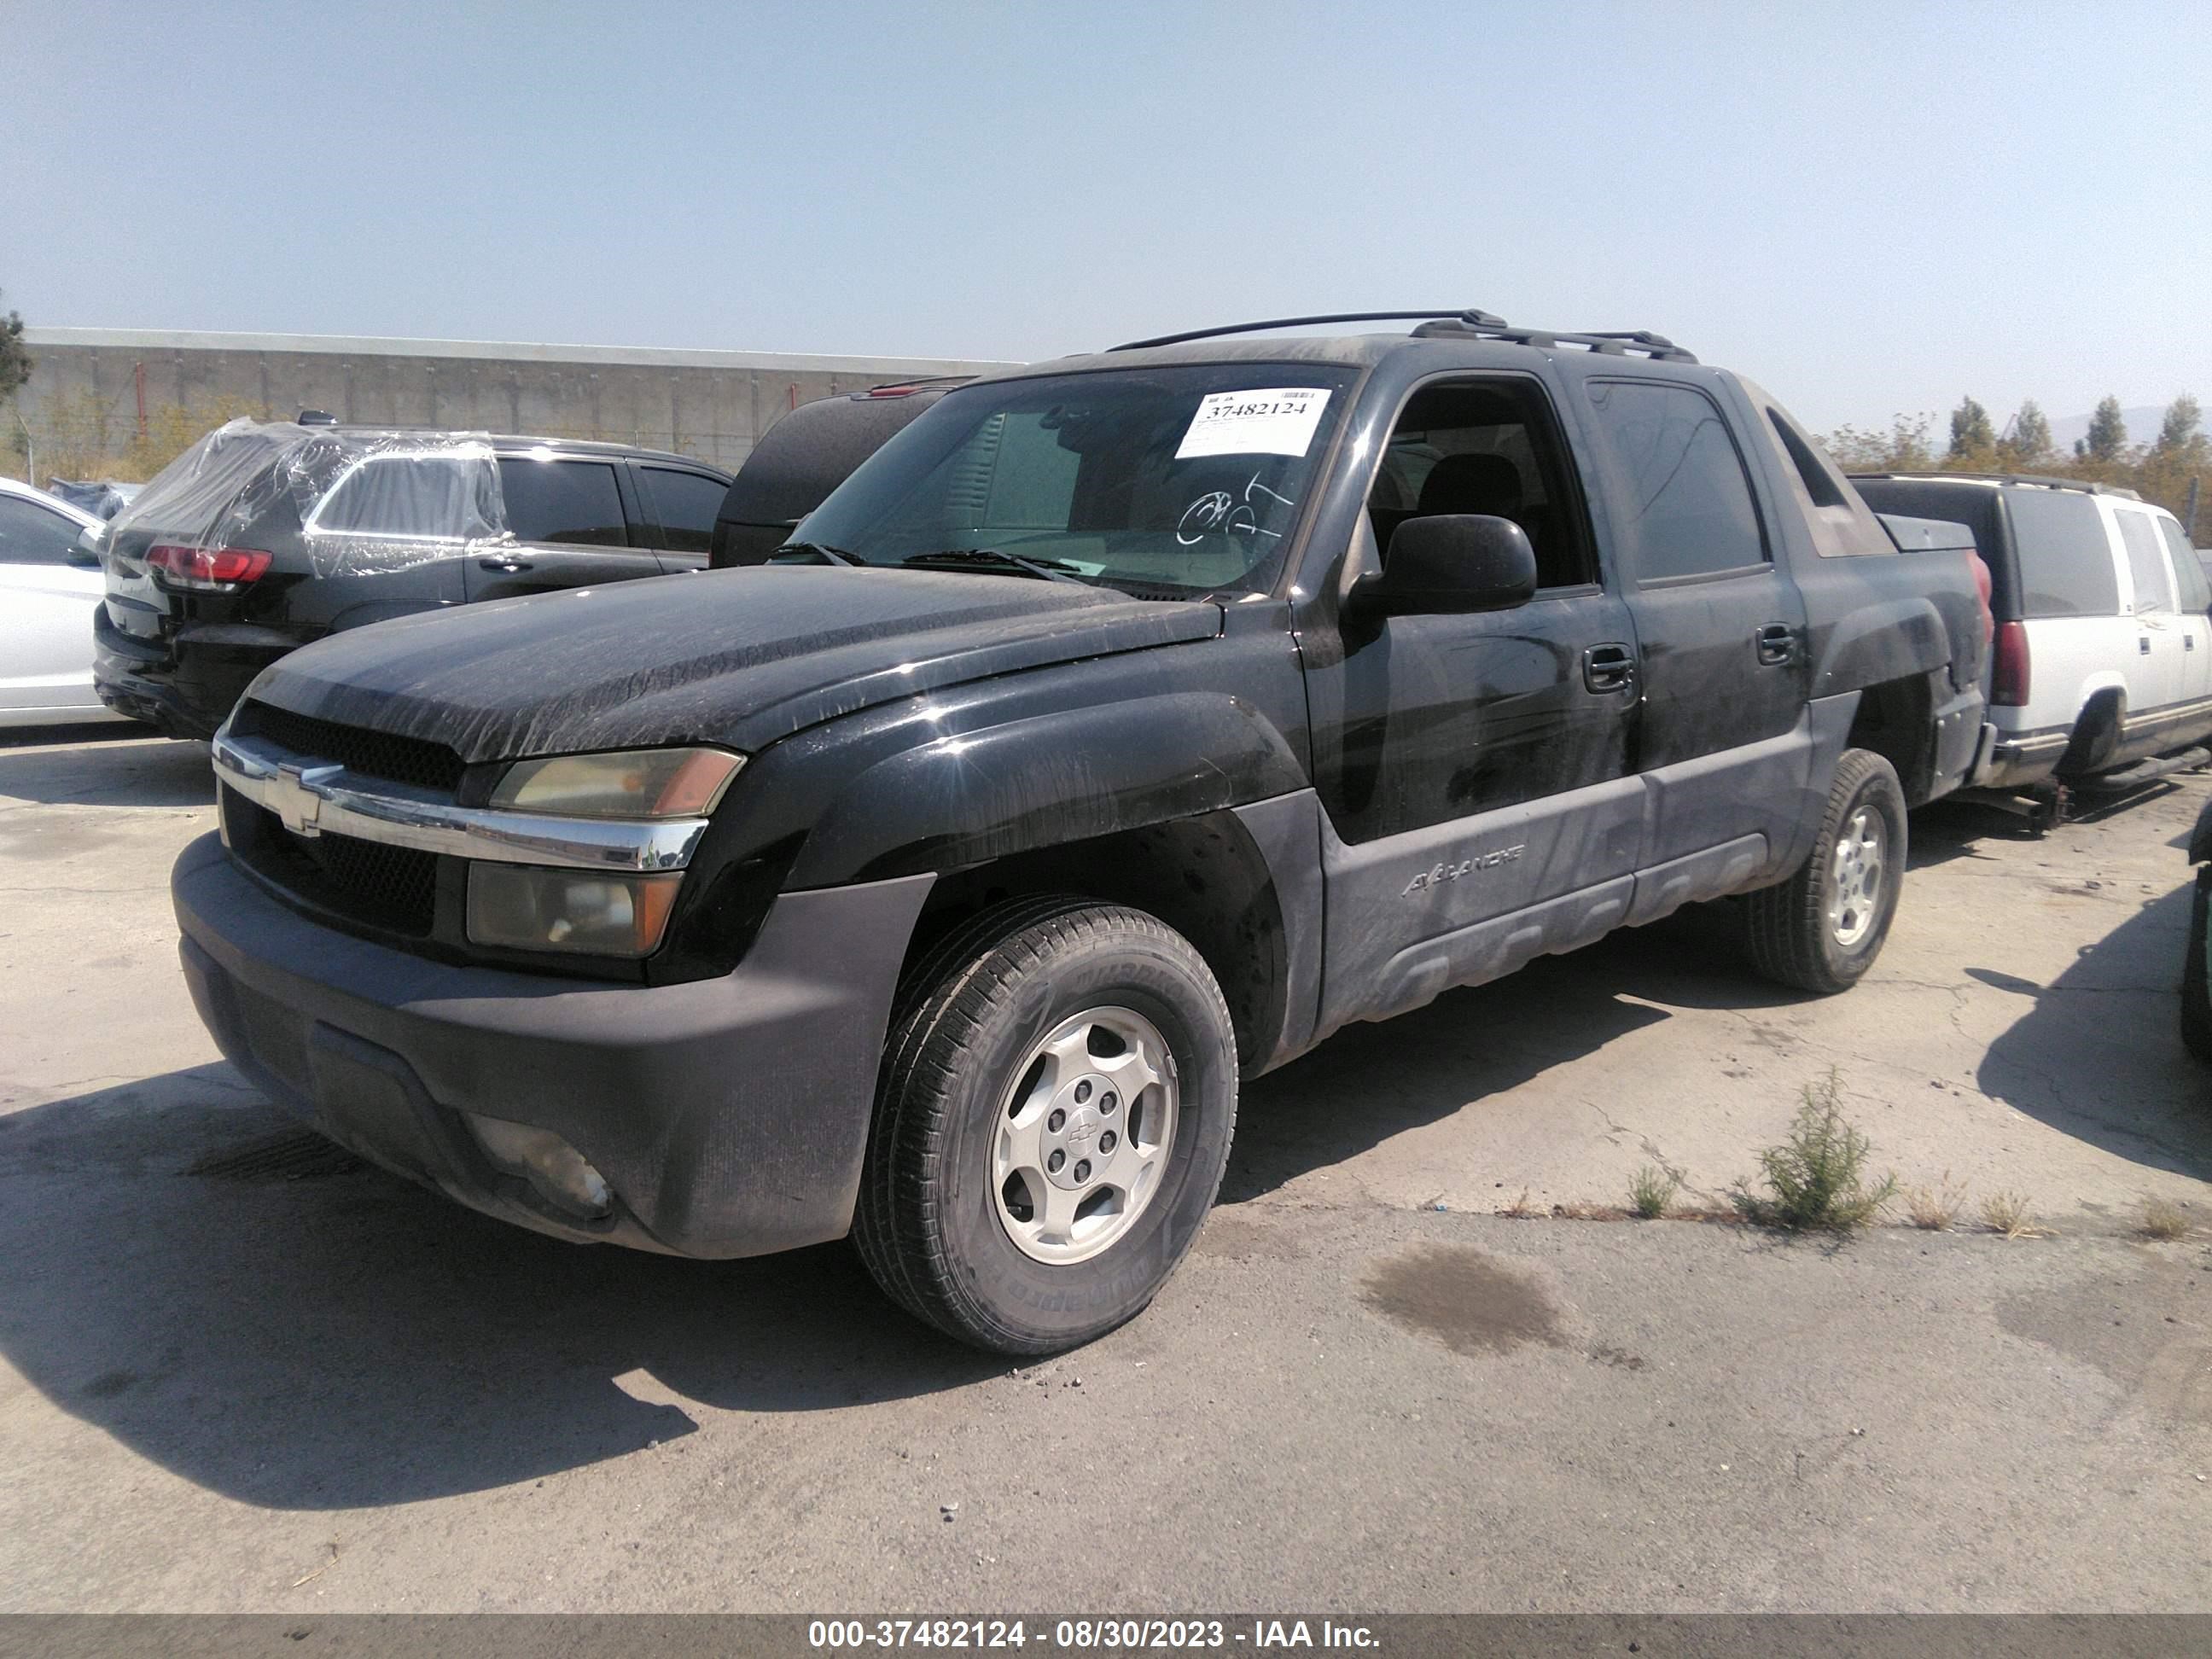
column 736, row 657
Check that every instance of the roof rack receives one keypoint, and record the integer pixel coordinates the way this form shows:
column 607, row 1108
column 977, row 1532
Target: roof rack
column 1466, row 321
column 2041, row 480
column 1301, row 322
column 1641, row 341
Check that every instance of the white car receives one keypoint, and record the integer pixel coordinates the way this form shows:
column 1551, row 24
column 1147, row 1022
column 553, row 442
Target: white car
column 50, row 585
column 2103, row 656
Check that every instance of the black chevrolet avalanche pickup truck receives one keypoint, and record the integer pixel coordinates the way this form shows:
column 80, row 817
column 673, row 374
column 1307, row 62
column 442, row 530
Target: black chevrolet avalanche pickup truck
column 1124, row 726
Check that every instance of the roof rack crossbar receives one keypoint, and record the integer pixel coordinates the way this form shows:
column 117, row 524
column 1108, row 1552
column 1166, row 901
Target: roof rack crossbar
column 1461, row 313
column 2045, row 480
column 1641, row 341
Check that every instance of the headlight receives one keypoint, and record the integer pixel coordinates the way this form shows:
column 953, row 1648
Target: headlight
column 528, row 909
column 635, row 783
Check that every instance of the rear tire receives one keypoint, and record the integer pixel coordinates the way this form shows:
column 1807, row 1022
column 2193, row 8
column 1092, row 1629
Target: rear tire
column 2096, row 738
column 1821, row 930
column 976, row 1217
column 2196, row 994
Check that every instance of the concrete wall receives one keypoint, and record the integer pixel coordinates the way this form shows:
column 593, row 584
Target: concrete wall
column 85, row 388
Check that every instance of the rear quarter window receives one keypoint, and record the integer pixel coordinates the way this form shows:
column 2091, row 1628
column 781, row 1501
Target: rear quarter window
column 2065, row 558
column 439, row 497
column 684, row 504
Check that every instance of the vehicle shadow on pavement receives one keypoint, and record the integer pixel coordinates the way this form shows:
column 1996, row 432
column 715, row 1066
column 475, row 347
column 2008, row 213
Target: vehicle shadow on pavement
column 1948, row 830
column 136, row 770
column 2098, row 1052
column 1370, row 1082
column 341, row 1338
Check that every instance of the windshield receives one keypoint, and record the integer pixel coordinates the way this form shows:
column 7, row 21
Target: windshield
column 1161, row 481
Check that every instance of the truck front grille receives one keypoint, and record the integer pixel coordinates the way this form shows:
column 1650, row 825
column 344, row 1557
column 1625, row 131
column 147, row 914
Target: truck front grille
column 365, row 881
column 373, row 754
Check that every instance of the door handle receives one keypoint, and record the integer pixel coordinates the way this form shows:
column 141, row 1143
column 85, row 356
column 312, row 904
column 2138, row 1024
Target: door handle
column 1608, row 668
column 503, row 567
column 1775, row 643
column 2142, row 645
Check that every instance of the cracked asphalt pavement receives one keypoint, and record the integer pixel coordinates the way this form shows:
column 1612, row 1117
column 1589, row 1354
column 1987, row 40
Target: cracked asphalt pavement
column 237, row 1372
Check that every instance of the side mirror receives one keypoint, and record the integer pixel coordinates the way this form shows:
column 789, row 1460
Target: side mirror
column 1450, row 563
column 84, row 557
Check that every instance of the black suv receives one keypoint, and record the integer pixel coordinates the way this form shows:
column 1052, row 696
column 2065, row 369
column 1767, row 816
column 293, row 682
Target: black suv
column 263, row 537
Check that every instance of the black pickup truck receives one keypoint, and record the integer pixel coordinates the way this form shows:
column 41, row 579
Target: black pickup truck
column 1124, row 726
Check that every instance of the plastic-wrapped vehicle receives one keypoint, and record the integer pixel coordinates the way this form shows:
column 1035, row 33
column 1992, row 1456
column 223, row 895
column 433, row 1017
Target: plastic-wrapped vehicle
column 1121, row 728
column 263, row 537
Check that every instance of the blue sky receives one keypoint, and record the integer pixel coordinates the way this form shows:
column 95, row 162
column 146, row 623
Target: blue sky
column 1869, row 208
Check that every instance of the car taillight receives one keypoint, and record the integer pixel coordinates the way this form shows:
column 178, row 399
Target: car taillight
column 1984, row 588
column 207, row 569
column 2009, row 679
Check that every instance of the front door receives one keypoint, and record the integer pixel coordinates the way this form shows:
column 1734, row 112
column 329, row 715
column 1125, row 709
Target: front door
column 1473, row 769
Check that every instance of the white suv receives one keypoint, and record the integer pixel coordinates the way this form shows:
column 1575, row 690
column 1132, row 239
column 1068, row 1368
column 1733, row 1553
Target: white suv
column 2104, row 644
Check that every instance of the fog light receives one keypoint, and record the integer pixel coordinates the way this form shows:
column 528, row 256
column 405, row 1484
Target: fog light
column 557, row 1169
column 530, row 908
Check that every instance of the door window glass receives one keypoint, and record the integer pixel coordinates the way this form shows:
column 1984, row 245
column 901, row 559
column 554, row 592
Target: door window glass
column 1486, row 446
column 2188, row 568
column 576, row 503
column 685, row 505
column 2065, row 558
column 1680, row 494
column 30, row 534
column 2146, row 562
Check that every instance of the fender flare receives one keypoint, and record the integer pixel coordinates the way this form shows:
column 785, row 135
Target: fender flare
column 1876, row 643
column 1045, row 781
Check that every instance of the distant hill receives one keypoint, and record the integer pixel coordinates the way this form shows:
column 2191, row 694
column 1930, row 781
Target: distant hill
column 2142, row 427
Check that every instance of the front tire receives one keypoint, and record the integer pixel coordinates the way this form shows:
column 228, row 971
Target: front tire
column 1052, row 1123
column 1821, row 930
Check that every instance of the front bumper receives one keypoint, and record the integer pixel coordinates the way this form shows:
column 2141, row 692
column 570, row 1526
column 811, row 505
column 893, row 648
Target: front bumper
column 729, row 1117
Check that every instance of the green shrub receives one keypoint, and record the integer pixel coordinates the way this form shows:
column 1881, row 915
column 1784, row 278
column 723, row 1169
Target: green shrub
column 1816, row 1178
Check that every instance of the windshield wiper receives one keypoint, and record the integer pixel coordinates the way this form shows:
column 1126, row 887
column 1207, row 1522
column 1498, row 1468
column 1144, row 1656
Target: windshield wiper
column 822, row 550
column 1051, row 570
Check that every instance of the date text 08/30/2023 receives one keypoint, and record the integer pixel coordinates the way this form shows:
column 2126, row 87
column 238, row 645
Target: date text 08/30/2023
column 1088, row 1635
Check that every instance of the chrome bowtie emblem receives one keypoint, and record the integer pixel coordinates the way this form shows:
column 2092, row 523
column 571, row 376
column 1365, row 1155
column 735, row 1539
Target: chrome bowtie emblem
column 292, row 798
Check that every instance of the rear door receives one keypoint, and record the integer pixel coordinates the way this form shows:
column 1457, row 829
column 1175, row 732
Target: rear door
column 2195, row 615
column 569, row 525
column 46, row 610
column 680, row 507
column 2158, row 676
column 1720, row 628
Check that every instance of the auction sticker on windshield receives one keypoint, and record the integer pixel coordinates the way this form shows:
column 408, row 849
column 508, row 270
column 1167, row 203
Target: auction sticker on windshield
column 1277, row 420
